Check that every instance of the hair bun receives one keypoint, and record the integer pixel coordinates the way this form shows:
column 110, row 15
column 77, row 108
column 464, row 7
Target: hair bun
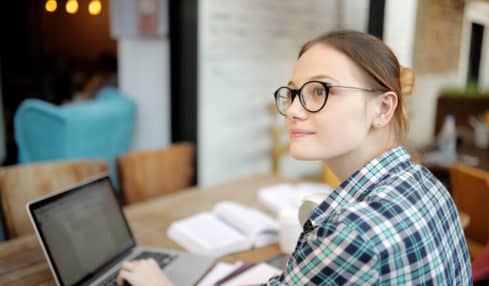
column 407, row 80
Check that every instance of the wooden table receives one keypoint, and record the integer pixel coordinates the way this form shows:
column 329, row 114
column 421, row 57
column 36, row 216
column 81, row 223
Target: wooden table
column 22, row 261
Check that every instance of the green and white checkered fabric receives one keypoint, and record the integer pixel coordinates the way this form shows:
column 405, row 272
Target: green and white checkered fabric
column 390, row 223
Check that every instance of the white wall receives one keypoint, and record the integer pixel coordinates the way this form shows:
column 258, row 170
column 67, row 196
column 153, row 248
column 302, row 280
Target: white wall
column 354, row 14
column 144, row 76
column 247, row 49
column 422, row 106
column 399, row 35
column 400, row 28
column 143, row 68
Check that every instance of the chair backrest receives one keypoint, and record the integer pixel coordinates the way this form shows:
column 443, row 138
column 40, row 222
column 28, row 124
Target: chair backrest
column 150, row 173
column 279, row 148
column 98, row 128
column 22, row 183
column 470, row 192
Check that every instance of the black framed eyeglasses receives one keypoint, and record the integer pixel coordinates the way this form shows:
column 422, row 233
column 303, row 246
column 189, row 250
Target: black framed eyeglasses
column 312, row 95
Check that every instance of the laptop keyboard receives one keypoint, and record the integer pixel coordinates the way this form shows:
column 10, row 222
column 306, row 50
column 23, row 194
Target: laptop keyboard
column 163, row 259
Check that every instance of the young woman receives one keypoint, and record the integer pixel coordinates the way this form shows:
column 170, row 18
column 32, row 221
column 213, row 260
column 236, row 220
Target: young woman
column 390, row 222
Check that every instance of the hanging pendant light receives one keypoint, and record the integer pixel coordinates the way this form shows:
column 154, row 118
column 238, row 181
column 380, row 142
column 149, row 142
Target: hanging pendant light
column 71, row 6
column 94, row 7
column 51, row 5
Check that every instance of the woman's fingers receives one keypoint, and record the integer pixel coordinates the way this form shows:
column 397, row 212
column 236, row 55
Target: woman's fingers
column 145, row 272
column 127, row 270
column 152, row 262
column 130, row 265
column 123, row 275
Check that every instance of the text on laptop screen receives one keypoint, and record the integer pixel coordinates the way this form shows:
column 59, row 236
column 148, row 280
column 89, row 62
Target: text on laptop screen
column 83, row 230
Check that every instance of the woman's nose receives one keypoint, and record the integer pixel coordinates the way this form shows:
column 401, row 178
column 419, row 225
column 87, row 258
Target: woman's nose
column 295, row 109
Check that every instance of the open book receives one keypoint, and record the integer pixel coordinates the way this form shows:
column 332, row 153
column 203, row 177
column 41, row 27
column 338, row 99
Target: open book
column 287, row 195
column 229, row 227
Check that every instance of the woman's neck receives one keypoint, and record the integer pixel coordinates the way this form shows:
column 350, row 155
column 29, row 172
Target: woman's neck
column 344, row 165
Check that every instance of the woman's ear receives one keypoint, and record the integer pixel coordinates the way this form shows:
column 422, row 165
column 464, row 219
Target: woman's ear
column 386, row 105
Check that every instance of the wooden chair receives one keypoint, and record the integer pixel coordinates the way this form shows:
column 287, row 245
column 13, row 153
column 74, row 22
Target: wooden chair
column 329, row 177
column 150, row 173
column 279, row 148
column 470, row 192
column 22, row 183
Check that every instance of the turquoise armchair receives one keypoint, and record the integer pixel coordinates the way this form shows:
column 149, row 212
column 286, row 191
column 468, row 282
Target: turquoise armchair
column 99, row 128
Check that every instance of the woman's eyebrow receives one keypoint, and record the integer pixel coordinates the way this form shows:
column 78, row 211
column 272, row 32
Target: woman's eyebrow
column 323, row 76
column 316, row 77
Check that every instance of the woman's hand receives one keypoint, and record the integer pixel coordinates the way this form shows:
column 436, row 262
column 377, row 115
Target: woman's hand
column 145, row 272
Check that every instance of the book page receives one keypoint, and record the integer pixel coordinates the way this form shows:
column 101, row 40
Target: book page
column 255, row 275
column 219, row 271
column 283, row 196
column 278, row 197
column 206, row 234
column 249, row 221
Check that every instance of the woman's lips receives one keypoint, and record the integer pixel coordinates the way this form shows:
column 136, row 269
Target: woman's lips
column 297, row 133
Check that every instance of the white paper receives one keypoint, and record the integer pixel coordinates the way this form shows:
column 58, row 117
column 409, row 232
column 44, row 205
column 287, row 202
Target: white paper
column 278, row 196
column 289, row 196
column 257, row 274
column 219, row 271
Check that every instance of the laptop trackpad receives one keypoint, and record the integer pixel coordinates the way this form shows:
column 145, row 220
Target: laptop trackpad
column 188, row 269
column 185, row 268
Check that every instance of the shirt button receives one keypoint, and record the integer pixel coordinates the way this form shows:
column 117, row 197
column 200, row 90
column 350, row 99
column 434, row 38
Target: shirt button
column 308, row 226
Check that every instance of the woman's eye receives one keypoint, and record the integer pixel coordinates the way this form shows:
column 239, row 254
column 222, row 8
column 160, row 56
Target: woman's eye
column 319, row 91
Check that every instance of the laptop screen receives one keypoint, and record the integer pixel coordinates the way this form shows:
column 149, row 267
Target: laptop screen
column 83, row 229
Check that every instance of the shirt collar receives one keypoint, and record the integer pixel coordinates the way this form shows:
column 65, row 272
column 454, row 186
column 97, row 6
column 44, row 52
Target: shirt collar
column 362, row 181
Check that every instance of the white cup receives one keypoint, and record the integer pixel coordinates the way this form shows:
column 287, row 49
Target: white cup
column 481, row 136
column 290, row 230
column 309, row 203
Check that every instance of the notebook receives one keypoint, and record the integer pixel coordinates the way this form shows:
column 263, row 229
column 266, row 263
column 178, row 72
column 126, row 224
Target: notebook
column 228, row 228
column 85, row 237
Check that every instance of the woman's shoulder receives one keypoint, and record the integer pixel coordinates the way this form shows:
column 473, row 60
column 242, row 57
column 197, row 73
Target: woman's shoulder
column 408, row 195
column 409, row 179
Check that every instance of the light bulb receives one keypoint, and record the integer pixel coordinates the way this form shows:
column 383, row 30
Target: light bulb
column 95, row 7
column 71, row 6
column 51, row 5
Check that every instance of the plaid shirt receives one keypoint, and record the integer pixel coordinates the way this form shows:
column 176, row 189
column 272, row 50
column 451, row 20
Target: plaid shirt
column 390, row 223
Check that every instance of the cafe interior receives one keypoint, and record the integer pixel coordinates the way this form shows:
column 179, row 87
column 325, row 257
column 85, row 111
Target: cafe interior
column 173, row 100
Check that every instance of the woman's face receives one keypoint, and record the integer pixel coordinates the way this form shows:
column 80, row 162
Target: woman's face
column 342, row 125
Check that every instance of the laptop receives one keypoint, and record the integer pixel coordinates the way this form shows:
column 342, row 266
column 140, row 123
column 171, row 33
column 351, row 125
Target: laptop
column 85, row 238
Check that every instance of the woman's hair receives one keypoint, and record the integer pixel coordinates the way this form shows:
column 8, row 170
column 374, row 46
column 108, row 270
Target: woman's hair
column 380, row 64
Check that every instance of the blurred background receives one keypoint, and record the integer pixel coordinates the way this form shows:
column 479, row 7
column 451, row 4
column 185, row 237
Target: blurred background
column 204, row 72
